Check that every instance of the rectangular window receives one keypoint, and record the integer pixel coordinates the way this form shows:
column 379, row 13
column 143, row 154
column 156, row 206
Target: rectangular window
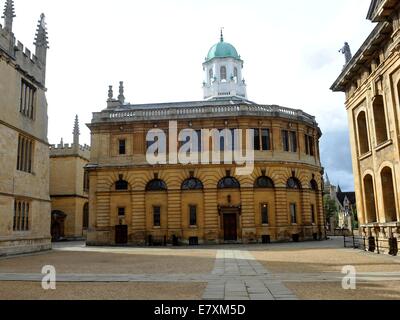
column 157, row 216
column 309, row 145
column 193, row 215
column 264, row 214
column 313, row 214
column 257, row 145
column 293, row 141
column 122, row 146
column 289, row 139
column 266, row 140
column 22, row 212
column 293, row 213
column 25, row 154
column 27, row 99
column 285, row 140
column 224, row 141
column 121, row 212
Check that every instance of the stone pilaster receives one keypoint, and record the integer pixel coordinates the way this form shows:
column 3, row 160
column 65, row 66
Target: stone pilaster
column 174, row 213
column 211, row 216
column 138, row 217
column 248, row 216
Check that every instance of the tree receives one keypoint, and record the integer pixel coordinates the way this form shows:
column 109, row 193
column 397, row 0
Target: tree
column 330, row 208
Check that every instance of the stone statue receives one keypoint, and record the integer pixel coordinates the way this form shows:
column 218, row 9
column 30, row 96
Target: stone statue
column 347, row 52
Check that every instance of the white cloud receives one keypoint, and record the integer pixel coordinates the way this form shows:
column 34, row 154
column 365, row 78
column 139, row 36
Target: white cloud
column 157, row 47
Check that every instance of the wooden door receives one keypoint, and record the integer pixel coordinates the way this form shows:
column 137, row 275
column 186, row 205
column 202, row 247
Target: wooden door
column 121, row 234
column 230, row 227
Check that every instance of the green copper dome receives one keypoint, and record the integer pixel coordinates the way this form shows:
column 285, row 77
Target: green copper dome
column 223, row 50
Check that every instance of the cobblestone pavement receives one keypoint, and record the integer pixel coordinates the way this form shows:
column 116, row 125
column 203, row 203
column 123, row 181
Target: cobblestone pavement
column 241, row 277
column 234, row 273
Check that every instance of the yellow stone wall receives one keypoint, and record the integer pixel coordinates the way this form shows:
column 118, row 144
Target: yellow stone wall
column 279, row 166
column 378, row 77
column 67, row 190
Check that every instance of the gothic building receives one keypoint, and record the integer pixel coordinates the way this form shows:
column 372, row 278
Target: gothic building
column 371, row 82
column 69, row 188
column 24, row 151
column 135, row 201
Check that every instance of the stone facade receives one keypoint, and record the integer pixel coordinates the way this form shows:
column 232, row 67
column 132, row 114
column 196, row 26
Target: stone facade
column 371, row 81
column 24, row 151
column 69, row 188
column 134, row 202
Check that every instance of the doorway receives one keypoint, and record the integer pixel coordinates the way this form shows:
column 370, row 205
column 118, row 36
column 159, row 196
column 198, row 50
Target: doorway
column 230, row 227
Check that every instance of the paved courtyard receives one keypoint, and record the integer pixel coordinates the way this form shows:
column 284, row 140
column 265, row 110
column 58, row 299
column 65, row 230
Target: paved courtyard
column 311, row 270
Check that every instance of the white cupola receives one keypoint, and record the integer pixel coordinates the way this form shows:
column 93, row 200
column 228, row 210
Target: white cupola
column 223, row 72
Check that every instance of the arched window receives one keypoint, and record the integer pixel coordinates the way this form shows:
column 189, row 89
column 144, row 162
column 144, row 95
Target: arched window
column 389, row 198
column 156, row 185
column 380, row 120
column 369, row 194
column 313, row 185
column 228, row 183
column 264, row 183
column 85, row 222
column 121, row 185
column 223, row 73
column 236, row 75
column 293, row 183
column 211, row 75
column 363, row 133
column 192, row 184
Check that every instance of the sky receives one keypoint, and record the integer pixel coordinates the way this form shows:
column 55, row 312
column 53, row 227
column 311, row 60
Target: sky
column 157, row 47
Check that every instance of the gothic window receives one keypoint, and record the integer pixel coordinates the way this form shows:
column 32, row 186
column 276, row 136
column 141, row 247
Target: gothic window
column 264, row 182
column 389, row 198
column 380, row 120
column 25, row 154
column 27, row 99
column 121, row 184
column 21, row 215
column 223, row 73
column 264, row 214
column 293, row 183
column 363, row 133
column 369, row 194
column 229, row 183
column 156, row 185
column 192, row 184
column 85, row 222
column 313, row 185
column 193, row 215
